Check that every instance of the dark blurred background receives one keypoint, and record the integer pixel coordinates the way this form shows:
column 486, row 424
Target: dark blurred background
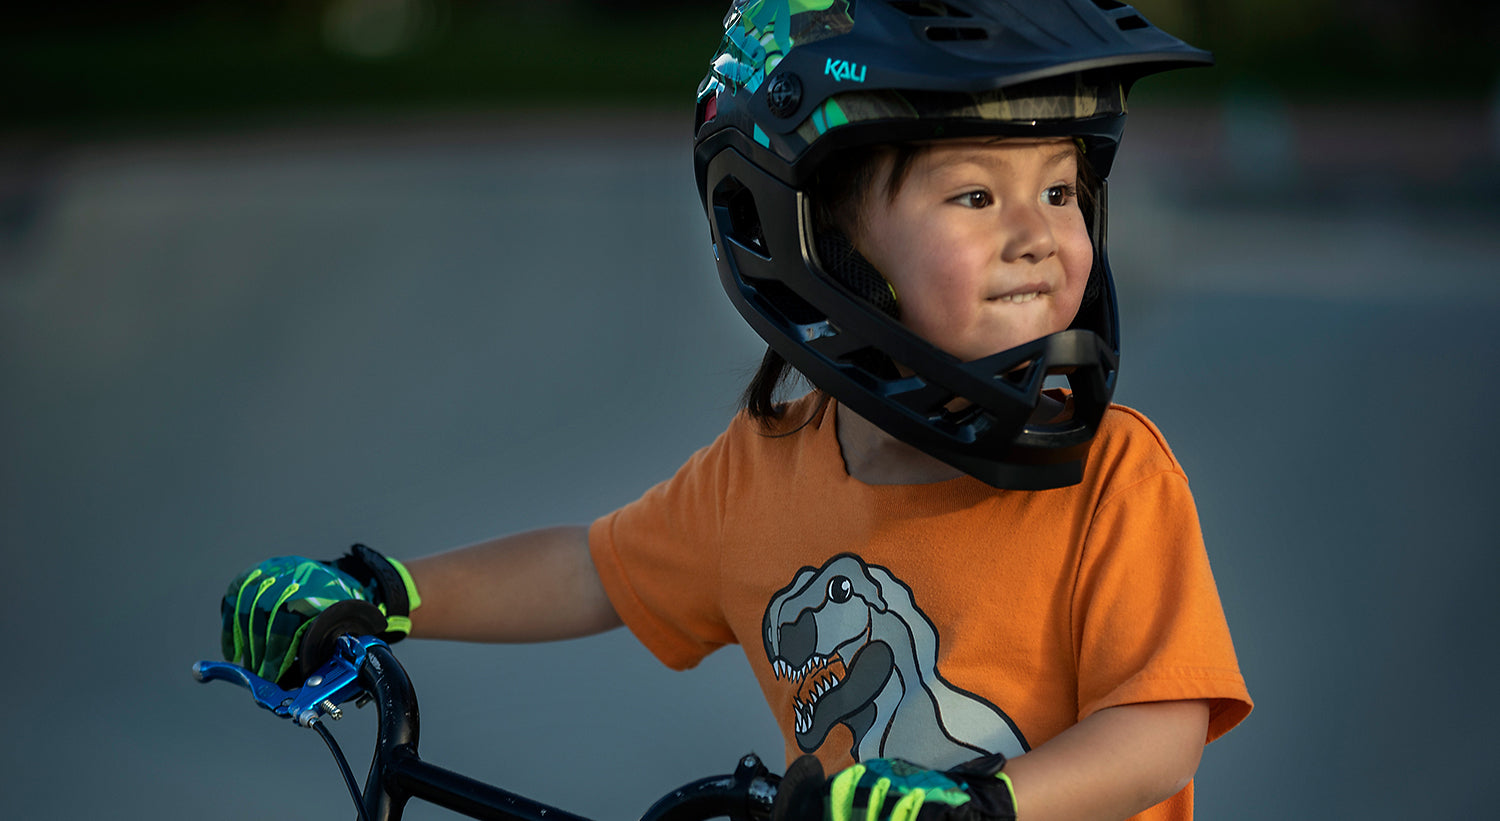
column 81, row 62
column 280, row 276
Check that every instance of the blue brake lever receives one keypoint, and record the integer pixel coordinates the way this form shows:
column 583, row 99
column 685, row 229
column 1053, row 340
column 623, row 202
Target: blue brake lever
column 334, row 683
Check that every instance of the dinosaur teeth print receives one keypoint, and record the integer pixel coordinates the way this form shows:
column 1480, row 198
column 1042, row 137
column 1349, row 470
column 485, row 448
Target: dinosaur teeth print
column 804, row 717
column 816, row 677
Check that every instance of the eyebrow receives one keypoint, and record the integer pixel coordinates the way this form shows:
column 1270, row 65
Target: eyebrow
column 1064, row 147
column 1064, row 151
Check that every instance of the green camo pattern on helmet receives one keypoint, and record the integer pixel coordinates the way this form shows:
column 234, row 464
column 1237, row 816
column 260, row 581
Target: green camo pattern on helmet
column 759, row 33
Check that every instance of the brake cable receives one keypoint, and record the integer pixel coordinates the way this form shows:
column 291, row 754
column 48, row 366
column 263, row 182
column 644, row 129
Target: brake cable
column 338, row 756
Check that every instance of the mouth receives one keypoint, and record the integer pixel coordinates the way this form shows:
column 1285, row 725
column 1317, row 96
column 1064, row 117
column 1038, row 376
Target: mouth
column 818, row 676
column 1030, row 292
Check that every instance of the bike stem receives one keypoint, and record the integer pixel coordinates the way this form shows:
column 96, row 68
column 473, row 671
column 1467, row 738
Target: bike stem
column 398, row 774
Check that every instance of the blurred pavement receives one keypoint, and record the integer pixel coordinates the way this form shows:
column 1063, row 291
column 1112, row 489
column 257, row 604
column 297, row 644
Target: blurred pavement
column 231, row 345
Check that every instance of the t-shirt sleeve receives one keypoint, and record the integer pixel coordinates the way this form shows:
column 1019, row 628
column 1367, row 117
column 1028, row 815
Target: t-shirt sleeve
column 1147, row 621
column 658, row 558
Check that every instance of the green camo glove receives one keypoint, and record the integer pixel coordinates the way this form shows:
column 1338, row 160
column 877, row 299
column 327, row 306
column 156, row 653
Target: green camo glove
column 890, row 789
column 268, row 609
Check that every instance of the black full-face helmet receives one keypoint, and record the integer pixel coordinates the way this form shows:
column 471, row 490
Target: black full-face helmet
column 795, row 82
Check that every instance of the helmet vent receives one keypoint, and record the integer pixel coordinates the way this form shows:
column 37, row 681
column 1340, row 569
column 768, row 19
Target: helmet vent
column 1019, row 376
column 927, row 8
column 738, row 218
column 1129, row 22
column 956, row 33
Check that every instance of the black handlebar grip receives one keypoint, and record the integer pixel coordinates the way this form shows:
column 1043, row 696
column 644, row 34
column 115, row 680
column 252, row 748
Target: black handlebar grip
column 319, row 640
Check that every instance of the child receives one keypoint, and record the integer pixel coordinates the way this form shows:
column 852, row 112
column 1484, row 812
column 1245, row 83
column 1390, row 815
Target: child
column 980, row 592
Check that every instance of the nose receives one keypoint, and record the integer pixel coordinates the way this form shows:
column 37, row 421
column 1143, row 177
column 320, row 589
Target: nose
column 1027, row 235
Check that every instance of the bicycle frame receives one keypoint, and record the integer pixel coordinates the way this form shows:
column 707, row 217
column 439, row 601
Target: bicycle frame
column 365, row 667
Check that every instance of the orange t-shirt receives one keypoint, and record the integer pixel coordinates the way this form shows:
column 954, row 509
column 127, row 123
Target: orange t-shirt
column 931, row 622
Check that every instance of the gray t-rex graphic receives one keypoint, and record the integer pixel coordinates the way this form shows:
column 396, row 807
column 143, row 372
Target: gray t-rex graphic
column 851, row 637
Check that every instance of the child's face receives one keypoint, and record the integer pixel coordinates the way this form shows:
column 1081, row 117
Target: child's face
column 984, row 243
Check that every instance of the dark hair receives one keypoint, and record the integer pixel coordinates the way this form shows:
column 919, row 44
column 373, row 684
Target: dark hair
column 838, row 193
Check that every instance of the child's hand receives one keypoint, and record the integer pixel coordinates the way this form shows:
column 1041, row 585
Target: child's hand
column 890, row 789
column 268, row 608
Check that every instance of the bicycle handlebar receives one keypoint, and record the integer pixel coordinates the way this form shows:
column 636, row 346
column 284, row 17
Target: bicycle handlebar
column 364, row 668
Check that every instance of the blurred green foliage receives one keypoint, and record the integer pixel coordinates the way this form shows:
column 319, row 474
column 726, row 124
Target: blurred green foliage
column 81, row 63
column 92, row 63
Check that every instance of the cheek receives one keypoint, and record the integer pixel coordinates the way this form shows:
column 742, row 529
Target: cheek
column 1076, row 250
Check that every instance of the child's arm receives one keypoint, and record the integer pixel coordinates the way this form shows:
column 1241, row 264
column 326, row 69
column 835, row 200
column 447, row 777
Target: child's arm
column 1113, row 764
column 538, row 585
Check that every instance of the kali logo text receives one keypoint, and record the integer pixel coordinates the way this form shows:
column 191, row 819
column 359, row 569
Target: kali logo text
column 841, row 70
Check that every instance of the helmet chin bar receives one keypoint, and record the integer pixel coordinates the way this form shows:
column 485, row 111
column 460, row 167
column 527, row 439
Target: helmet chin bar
column 976, row 416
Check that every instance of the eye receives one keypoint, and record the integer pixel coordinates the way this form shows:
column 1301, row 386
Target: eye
column 1060, row 195
column 975, row 199
column 840, row 589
